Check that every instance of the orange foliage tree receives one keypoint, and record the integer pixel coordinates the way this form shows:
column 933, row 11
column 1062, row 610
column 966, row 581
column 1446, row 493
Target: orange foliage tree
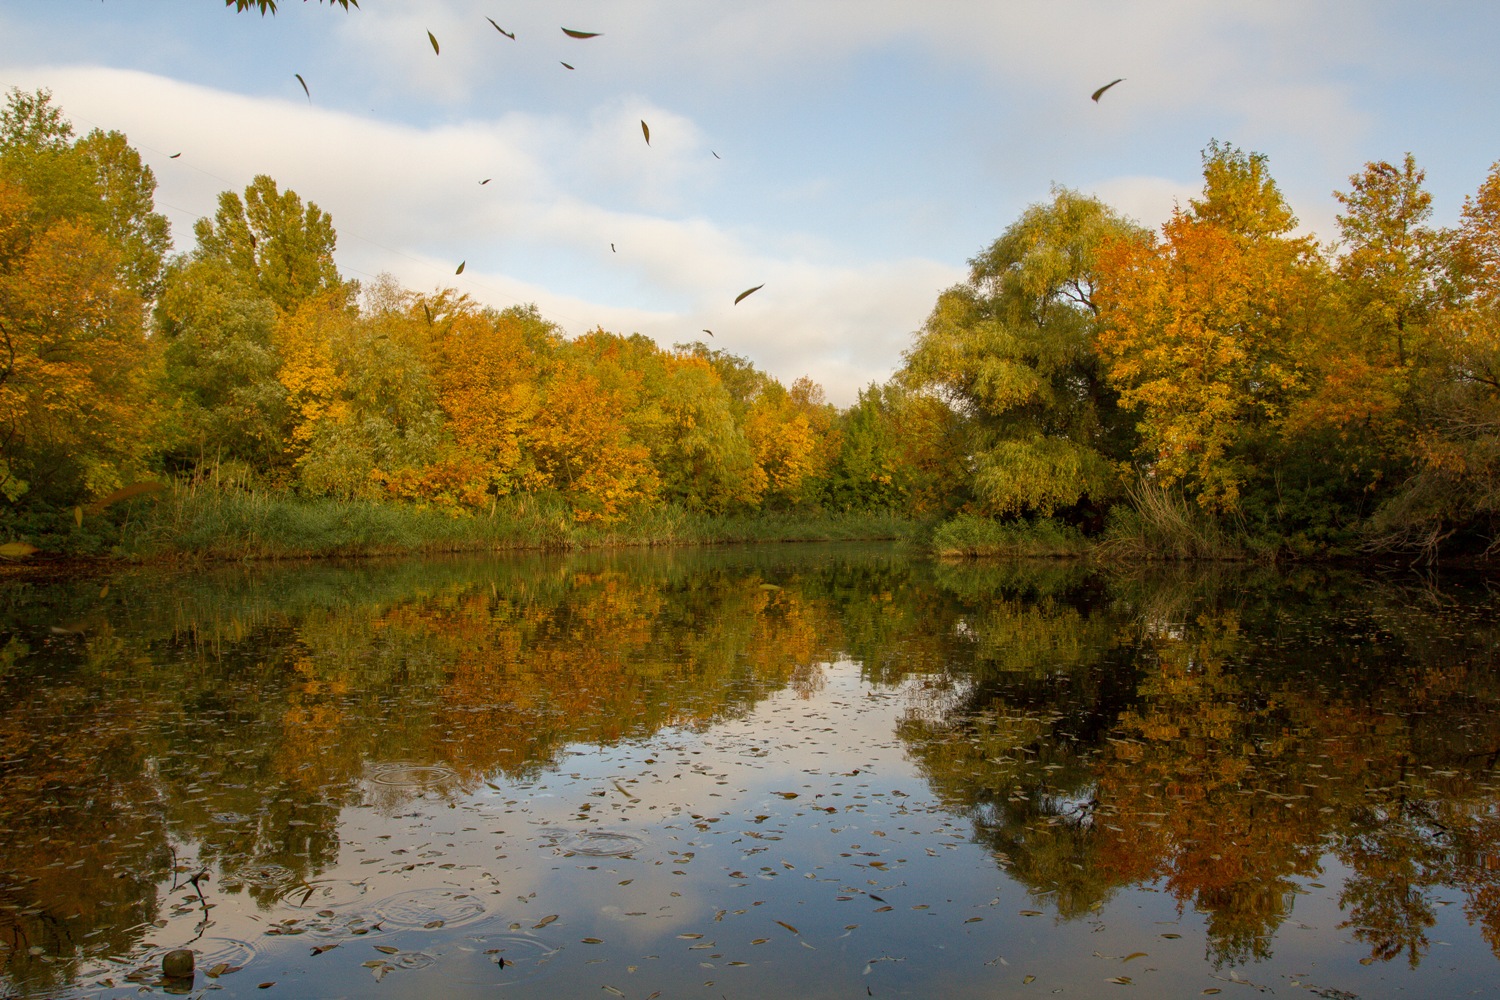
column 1207, row 330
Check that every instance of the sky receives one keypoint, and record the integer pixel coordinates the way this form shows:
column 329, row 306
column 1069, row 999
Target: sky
column 849, row 157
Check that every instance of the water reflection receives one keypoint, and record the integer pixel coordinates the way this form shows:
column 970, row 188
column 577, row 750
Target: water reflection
column 300, row 746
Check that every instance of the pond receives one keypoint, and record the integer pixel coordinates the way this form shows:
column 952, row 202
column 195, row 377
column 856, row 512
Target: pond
column 814, row 771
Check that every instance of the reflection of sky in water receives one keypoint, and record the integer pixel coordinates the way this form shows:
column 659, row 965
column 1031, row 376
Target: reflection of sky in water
column 791, row 838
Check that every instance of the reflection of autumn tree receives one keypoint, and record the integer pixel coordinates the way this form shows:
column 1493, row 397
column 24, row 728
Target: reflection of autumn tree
column 1219, row 737
column 83, row 846
column 1009, row 740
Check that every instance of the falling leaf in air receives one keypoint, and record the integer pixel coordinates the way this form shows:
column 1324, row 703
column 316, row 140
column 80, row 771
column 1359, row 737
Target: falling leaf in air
column 580, row 34
column 646, row 131
column 508, row 34
column 304, row 87
column 709, row 332
column 174, row 156
column 433, row 39
column 78, row 515
column 716, row 155
column 746, row 292
column 612, row 248
column 460, row 267
column 125, row 493
column 485, row 181
column 1100, row 92
column 566, row 66
column 428, row 312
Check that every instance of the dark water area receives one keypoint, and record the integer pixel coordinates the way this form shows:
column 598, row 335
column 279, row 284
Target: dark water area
column 813, row 771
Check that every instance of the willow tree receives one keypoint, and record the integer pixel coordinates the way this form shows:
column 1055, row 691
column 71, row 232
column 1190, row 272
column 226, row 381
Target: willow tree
column 1013, row 352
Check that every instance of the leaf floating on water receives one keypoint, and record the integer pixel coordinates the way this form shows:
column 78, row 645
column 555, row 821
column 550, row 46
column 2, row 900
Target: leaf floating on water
column 1120, row 980
column 1028, row 980
column 544, row 921
column 433, row 39
column 611, row 989
column 386, row 949
column 973, row 920
column 788, row 795
column 789, row 927
column 1134, row 954
column 432, row 925
column 221, row 969
column 320, row 948
column 760, row 941
column 690, row 937
column 1211, row 991
column 1171, row 937
column 265, row 986
column 883, row 909
column 580, row 34
column 1031, row 913
column 591, row 940
column 748, row 291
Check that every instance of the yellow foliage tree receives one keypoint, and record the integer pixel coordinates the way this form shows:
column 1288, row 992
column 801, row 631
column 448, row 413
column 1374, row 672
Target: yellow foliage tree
column 72, row 359
column 1206, row 331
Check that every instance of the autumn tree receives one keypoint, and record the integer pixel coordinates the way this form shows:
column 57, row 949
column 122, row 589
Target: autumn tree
column 1013, row 352
column 1455, row 486
column 1206, row 331
column 79, row 247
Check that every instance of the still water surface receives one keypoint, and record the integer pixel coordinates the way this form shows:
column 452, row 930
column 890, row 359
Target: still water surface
column 806, row 771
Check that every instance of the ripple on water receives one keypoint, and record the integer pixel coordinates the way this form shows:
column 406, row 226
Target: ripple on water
column 601, row 843
column 209, row 952
column 428, row 909
column 318, row 894
column 405, row 774
column 591, row 843
column 266, row 876
column 475, row 959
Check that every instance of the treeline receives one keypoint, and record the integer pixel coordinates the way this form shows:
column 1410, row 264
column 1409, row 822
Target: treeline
column 1221, row 386
column 249, row 363
column 1228, row 386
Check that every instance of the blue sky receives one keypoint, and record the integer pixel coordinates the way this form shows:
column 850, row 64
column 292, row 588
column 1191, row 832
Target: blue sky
column 865, row 149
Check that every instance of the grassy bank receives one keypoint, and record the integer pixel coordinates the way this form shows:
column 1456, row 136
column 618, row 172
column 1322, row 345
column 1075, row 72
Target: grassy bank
column 969, row 536
column 215, row 525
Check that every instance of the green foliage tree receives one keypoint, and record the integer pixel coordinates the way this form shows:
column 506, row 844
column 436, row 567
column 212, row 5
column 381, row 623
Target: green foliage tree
column 273, row 243
column 1013, row 351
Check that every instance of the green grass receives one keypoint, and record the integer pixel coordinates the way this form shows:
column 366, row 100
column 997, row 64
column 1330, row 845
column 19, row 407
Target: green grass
column 970, row 536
